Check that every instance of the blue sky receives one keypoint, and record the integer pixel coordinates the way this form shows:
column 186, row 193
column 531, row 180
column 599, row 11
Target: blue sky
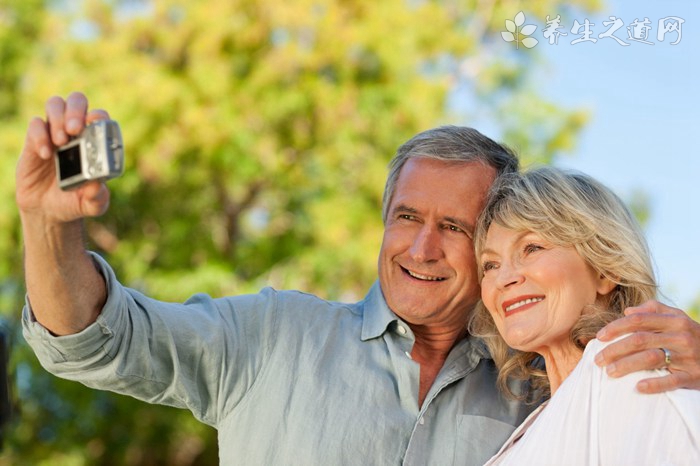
column 644, row 103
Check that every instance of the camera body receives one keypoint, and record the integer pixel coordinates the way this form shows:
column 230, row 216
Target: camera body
column 97, row 154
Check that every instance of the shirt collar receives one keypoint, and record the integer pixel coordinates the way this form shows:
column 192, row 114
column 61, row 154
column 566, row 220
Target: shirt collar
column 376, row 315
column 377, row 318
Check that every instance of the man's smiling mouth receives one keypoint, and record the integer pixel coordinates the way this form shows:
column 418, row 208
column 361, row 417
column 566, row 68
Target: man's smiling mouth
column 419, row 276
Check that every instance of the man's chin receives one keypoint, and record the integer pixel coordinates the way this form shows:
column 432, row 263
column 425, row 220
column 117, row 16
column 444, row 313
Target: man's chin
column 413, row 311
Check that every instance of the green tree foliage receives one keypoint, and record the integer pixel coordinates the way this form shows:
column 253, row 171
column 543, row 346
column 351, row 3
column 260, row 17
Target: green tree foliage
column 20, row 25
column 257, row 134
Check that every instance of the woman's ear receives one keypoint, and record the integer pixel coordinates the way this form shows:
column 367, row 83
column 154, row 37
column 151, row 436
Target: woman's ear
column 605, row 285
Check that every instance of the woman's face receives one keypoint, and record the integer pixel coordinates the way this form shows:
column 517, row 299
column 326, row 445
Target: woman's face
column 534, row 290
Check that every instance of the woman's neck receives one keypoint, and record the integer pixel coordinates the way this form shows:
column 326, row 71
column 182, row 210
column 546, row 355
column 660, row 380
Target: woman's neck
column 560, row 362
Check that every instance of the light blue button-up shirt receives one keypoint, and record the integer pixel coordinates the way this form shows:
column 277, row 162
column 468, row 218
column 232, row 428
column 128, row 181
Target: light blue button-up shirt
column 288, row 378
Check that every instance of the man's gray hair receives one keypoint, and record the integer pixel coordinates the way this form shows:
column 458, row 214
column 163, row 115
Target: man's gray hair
column 449, row 144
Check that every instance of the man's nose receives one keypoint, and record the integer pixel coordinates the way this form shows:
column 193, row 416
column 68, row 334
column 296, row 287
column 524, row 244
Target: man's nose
column 426, row 245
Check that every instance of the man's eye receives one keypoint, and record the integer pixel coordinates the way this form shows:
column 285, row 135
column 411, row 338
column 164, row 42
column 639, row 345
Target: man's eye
column 454, row 228
column 406, row 217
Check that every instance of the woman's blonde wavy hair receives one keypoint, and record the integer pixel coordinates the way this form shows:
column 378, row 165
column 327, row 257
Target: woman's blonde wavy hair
column 568, row 209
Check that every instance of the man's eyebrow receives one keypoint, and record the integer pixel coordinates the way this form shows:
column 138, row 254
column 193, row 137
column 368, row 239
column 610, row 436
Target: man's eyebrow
column 403, row 208
column 468, row 228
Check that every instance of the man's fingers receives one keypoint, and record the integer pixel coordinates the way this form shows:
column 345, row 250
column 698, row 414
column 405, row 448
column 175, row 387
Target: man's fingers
column 626, row 356
column 634, row 322
column 653, row 306
column 648, row 350
column 97, row 114
column 55, row 112
column 38, row 139
column 94, row 199
column 643, row 322
column 66, row 117
column 653, row 330
column 644, row 350
column 76, row 109
column 662, row 384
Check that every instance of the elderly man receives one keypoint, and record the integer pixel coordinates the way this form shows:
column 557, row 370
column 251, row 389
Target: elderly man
column 288, row 378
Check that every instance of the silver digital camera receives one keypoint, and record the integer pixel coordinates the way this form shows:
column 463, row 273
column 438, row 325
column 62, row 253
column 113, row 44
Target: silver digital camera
column 97, row 154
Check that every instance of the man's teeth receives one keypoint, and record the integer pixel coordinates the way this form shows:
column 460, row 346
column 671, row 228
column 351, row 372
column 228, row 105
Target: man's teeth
column 424, row 277
column 522, row 303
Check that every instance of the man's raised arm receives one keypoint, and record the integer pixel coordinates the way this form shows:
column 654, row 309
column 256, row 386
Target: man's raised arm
column 65, row 290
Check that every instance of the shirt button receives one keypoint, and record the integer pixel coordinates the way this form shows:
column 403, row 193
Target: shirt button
column 421, row 421
column 408, row 355
column 401, row 329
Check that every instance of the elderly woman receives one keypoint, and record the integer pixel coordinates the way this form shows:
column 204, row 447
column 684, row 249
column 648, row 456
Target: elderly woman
column 560, row 256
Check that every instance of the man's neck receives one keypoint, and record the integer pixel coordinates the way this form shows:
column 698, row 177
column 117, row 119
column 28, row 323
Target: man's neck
column 430, row 351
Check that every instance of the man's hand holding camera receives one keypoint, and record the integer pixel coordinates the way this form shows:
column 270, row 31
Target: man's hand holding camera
column 38, row 192
column 66, row 290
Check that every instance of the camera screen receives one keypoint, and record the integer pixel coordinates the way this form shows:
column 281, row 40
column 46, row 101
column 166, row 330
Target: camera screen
column 69, row 162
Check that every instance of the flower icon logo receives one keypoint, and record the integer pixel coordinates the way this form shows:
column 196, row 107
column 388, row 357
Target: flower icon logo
column 515, row 31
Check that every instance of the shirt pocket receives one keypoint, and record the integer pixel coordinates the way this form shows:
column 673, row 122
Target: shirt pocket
column 478, row 439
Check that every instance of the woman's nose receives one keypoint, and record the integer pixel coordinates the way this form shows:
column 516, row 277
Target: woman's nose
column 509, row 274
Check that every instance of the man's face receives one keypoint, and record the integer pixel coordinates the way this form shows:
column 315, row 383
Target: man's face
column 427, row 268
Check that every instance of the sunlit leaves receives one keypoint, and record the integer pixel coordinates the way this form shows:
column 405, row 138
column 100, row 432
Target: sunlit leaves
column 257, row 134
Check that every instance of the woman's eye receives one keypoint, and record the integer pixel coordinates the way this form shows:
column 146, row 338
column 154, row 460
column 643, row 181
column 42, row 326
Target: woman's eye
column 488, row 266
column 532, row 247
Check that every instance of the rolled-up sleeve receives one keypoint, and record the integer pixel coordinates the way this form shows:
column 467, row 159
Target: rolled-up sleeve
column 202, row 355
column 95, row 341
